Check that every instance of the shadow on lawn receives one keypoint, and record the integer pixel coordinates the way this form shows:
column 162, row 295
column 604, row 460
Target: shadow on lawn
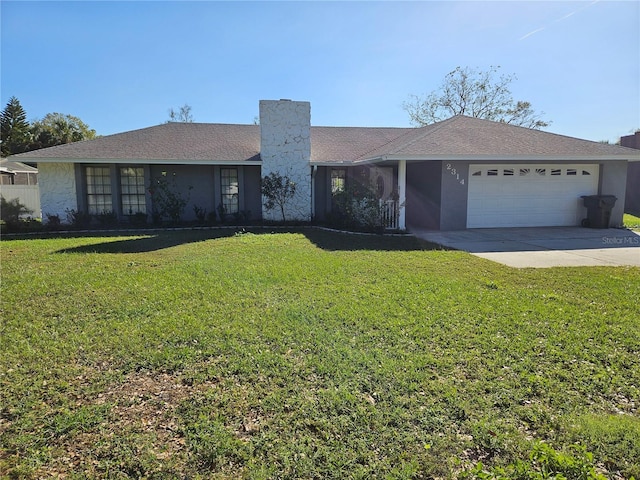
column 149, row 241
column 324, row 239
column 346, row 241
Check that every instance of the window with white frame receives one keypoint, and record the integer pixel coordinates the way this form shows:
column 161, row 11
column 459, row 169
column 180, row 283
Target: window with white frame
column 229, row 189
column 98, row 190
column 132, row 190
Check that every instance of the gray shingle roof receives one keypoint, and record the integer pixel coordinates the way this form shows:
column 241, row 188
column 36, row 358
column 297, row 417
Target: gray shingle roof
column 217, row 143
column 346, row 144
column 467, row 136
column 180, row 142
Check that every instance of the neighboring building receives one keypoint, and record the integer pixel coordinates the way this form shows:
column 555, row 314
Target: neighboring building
column 20, row 181
column 460, row 173
column 16, row 173
column 632, row 200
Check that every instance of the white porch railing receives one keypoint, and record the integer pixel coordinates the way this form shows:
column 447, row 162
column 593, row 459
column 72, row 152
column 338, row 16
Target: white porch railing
column 390, row 214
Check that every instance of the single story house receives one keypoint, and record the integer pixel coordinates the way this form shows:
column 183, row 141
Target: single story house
column 456, row 174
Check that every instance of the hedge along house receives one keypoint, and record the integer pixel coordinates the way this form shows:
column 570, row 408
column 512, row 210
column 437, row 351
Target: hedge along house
column 460, row 173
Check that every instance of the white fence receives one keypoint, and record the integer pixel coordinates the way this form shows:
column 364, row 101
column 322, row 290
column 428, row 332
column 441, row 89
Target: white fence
column 29, row 196
column 390, row 213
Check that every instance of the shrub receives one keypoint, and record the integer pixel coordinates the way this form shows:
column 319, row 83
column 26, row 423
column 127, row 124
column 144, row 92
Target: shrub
column 211, row 218
column 242, row 216
column 200, row 213
column 53, row 221
column 167, row 201
column 139, row 219
column 277, row 191
column 77, row 218
column 108, row 218
column 221, row 212
column 357, row 206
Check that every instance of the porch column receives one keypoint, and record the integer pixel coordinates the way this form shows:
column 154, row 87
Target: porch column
column 402, row 193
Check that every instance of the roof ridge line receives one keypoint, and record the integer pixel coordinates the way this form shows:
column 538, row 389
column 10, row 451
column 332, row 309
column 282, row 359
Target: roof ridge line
column 364, row 155
column 435, row 127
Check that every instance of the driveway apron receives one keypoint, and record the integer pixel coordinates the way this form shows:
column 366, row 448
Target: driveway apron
column 543, row 247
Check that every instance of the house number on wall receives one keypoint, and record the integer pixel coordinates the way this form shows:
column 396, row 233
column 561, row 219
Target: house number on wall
column 455, row 173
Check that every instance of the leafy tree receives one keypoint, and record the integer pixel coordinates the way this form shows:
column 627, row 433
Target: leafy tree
column 181, row 116
column 277, row 191
column 476, row 93
column 57, row 129
column 15, row 128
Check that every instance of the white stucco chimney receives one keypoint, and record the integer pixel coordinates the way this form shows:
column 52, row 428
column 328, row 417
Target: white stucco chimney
column 285, row 148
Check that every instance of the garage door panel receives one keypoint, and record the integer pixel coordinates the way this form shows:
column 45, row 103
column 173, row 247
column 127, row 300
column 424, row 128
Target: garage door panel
column 528, row 195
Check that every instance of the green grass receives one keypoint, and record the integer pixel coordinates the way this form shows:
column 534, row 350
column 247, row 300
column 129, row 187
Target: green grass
column 631, row 221
column 310, row 355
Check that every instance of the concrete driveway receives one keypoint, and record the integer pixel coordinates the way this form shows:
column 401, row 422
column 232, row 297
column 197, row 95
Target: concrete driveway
column 542, row 247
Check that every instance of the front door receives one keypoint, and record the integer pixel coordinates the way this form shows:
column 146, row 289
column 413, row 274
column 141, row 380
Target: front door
column 381, row 179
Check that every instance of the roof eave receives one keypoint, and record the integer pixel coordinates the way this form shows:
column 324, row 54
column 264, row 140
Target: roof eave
column 146, row 161
column 501, row 158
column 330, row 163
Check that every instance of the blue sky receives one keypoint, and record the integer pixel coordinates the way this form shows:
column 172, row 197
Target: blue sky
column 121, row 65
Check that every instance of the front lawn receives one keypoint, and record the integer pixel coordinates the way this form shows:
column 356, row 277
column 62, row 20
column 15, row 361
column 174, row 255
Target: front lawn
column 631, row 221
column 311, row 354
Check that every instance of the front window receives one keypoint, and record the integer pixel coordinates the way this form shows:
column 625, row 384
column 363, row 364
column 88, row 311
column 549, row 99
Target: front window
column 338, row 180
column 132, row 190
column 98, row 190
column 229, row 189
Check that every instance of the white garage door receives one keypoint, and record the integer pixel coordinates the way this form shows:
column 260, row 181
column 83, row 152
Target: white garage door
column 529, row 195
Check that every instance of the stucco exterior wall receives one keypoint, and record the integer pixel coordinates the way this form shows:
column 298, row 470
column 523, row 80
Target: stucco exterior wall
column 58, row 189
column 613, row 181
column 453, row 206
column 194, row 183
column 251, row 191
column 322, row 187
column 423, row 195
column 200, row 184
column 632, row 197
column 285, row 148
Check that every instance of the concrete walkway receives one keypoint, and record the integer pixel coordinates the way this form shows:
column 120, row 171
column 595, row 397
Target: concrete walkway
column 542, row 247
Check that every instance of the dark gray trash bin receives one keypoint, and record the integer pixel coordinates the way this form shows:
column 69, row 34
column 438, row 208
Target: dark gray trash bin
column 598, row 210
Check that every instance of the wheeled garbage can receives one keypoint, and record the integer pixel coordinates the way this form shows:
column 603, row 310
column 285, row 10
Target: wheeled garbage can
column 598, row 210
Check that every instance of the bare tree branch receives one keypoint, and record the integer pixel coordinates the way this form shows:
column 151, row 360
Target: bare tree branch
column 181, row 116
column 476, row 93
